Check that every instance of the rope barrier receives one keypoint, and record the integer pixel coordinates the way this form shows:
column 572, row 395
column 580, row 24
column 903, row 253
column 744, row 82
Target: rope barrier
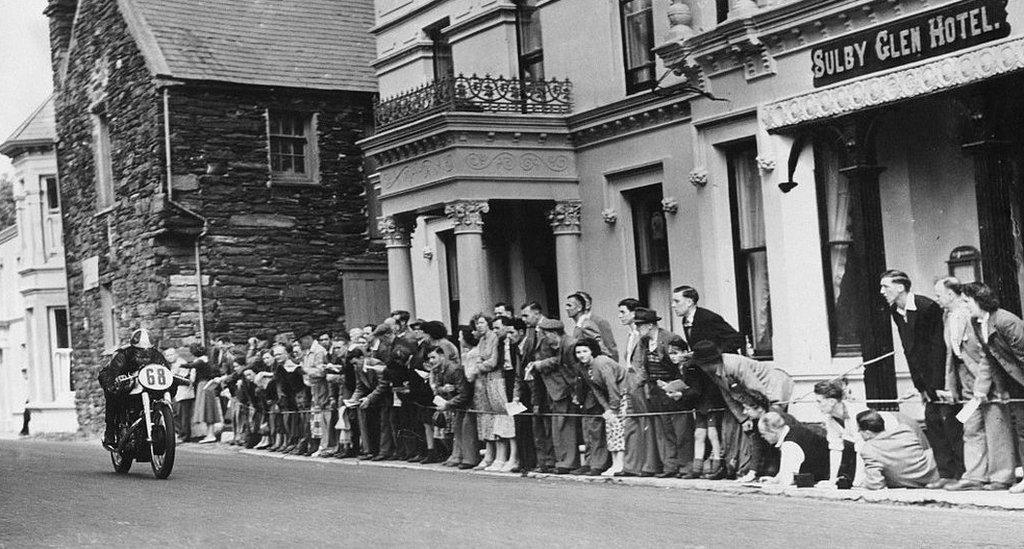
column 639, row 414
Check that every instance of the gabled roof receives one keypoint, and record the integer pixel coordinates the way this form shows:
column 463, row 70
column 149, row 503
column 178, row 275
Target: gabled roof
column 313, row 44
column 38, row 130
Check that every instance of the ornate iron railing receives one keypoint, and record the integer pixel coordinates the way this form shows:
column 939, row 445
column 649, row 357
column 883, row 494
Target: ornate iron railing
column 475, row 94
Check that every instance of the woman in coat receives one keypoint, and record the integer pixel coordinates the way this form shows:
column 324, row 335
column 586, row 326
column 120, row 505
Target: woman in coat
column 601, row 380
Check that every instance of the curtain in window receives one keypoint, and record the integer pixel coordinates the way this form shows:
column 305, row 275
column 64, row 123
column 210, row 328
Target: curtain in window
column 639, row 31
column 842, row 264
column 750, row 210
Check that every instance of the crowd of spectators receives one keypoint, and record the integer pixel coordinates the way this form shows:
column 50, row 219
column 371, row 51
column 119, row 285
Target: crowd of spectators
column 524, row 392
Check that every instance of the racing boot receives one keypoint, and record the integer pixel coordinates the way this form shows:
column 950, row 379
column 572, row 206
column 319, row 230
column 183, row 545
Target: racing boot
column 109, row 441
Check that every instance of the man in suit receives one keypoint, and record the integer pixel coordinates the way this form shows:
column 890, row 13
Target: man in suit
column 700, row 324
column 1001, row 335
column 634, row 428
column 919, row 323
column 533, row 388
column 554, row 364
column 988, row 439
column 603, row 326
column 583, row 325
column 664, row 433
column 894, row 457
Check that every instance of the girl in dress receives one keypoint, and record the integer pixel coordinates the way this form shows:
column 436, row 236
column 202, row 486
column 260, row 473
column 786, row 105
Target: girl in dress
column 497, row 428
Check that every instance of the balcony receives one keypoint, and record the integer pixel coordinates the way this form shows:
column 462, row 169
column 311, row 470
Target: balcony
column 475, row 94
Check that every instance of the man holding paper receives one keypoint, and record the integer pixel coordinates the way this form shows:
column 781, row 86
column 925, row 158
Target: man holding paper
column 988, row 441
column 1001, row 335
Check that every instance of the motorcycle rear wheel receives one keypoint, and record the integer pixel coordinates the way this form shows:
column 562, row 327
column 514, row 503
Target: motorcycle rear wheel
column 163, row 421
column 120, row 462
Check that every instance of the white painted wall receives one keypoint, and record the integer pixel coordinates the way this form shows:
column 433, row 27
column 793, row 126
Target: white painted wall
column 14, row 389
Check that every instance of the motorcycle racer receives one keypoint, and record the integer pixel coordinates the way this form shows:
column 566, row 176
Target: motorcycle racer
column 126, row 360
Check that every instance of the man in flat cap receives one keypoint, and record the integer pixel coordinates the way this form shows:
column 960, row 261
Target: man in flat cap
column 554, row 364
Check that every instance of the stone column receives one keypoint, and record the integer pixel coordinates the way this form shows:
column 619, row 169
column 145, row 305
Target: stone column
column 471, row 260
column 565, row 224
column 400, row 281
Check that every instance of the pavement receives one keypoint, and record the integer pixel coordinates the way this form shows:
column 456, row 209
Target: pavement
column 942, row 498
column 65, row 494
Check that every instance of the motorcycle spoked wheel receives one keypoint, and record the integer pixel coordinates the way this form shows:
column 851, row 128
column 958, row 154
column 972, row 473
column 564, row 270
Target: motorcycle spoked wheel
column 162, row 459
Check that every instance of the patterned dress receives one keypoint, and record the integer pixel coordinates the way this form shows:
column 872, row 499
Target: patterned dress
column 493, row 384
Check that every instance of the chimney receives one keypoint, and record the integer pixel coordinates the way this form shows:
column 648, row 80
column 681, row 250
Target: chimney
column 62, row 18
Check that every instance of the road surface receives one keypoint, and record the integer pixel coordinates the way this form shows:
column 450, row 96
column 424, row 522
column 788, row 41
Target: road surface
column 66, row 494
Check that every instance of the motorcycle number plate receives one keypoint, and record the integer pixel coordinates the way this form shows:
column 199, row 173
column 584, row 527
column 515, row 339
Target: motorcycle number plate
column 155, row 377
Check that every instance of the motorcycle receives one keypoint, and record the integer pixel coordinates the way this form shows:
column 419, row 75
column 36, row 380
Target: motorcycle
column 145, row 431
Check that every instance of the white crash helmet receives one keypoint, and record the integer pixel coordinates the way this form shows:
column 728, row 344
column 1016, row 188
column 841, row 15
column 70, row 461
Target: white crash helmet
column 140, row 339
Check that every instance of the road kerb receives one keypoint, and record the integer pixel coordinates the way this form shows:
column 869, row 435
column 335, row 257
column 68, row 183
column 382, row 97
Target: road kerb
column 986, row 500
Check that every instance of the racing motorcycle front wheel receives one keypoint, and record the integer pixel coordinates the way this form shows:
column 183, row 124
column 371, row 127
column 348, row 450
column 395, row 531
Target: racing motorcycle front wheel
column 162, row 433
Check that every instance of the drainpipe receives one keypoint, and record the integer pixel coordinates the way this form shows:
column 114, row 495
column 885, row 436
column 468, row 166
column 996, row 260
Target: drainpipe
column 169, row 189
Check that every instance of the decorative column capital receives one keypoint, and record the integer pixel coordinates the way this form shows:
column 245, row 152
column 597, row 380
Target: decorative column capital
column 395, row 234
column 565, row 217
column 467, row 215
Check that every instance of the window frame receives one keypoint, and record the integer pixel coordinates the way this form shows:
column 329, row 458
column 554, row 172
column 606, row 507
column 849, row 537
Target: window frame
column 826, row 246
column 440, row 48
column 57, row 328
column 310, row 156
column 645, row 203
column 102, row 151
column 527, row 9
column 51, row 195
column 632, row 86
column 742, row 255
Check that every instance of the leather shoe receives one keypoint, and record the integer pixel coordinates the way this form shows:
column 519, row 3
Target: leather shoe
column 648, row 474
column 563, row 471
column 995, row 486
column 625, row 474
column 580, row 470
column 963, row 485
column 544, row 470
column 466, row 466
column 594, row 473
column 938, row 484
column 666, row 474
column 382, row 457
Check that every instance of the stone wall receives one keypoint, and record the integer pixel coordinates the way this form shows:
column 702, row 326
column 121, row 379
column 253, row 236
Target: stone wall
column 107, row 71
column 271, row 249
column 269, row 253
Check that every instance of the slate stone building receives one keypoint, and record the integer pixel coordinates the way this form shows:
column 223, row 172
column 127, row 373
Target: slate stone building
column 208, row 170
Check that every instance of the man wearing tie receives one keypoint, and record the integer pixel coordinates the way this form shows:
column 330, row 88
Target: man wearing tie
column 919, row 323
column 700, row 324
column 532, row 315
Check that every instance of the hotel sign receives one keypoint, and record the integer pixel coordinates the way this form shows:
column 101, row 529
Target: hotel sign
column 937, row 32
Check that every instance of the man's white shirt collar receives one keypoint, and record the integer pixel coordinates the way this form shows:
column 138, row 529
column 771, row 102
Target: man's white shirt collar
column 908, row 305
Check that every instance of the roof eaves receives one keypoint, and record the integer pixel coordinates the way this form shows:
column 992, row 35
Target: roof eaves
column 14, row 141
column 14, row 148
column 144, row 38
